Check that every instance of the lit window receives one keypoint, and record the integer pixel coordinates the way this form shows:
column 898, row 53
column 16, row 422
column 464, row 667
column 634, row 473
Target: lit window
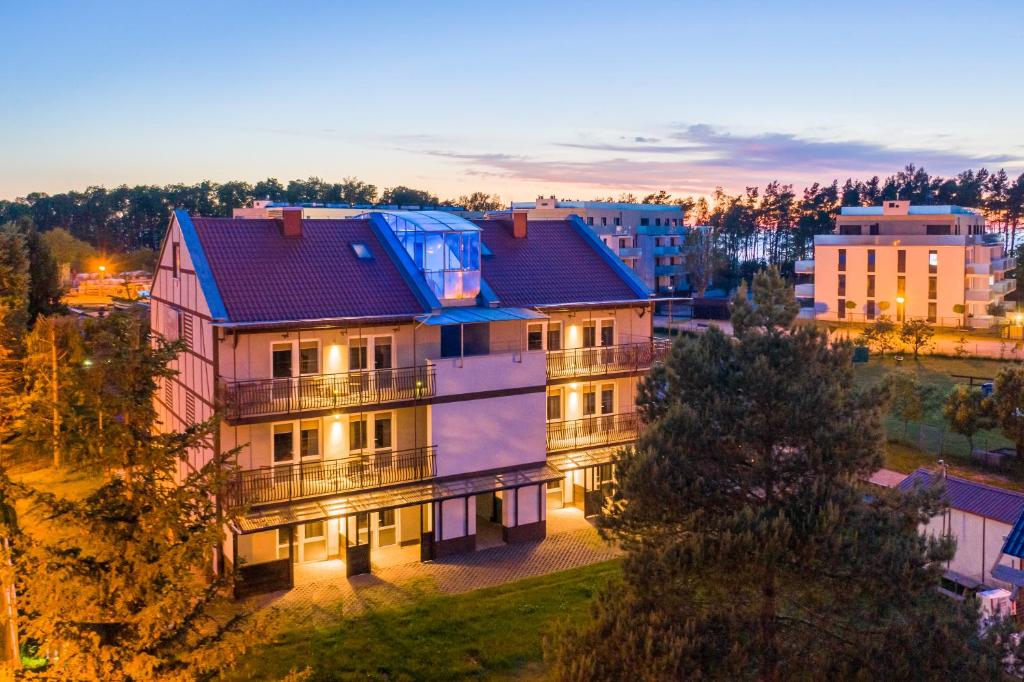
column 362, row 251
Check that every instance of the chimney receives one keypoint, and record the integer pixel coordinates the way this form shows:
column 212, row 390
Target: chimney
column 519, row 221
column 291, row 221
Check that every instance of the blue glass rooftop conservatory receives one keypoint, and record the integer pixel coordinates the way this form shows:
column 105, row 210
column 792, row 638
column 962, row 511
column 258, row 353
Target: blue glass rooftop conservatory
column 445, row 248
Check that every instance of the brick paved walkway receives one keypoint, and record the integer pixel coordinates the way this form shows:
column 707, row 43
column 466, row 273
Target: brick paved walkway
column 326, row 601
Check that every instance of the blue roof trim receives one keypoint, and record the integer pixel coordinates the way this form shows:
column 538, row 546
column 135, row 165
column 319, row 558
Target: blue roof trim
column 623, row 270
column 202, row 267
column 410, row 273
column 912, row 210
column 1014, row 543
column 487, row 294
column 606, row 205
column 475, row 314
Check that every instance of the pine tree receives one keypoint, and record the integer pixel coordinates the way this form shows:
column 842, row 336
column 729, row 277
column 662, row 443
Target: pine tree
column 754, row 550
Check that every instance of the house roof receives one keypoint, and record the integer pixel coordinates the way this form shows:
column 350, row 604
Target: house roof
column 989, row 501
column 559, row 262
column 263, row 276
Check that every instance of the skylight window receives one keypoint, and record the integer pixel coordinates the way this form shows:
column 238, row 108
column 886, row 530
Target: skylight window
column 361, row 250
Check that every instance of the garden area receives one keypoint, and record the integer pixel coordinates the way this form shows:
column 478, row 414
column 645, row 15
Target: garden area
column 917, row 425
column 492, row 633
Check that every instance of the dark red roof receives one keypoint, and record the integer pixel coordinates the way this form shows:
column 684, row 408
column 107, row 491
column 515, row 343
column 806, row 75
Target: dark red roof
column 553, row 265
column 263, row 276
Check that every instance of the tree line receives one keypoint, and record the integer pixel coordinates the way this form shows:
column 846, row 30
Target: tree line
column 127, row 218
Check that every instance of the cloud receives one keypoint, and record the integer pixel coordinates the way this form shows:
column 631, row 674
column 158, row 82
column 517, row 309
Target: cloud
column 696, row 158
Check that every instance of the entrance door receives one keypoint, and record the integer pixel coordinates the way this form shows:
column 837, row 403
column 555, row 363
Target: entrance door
column 597, row 487
column 357, row 544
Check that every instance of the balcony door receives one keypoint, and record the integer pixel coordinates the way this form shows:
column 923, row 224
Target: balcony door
column 281, row 368
column 383, row 362
column 607, row 407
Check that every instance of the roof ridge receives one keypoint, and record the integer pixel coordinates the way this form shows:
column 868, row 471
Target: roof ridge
column 968, row 481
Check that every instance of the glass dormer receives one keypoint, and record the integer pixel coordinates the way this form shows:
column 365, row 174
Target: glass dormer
column 444, row 247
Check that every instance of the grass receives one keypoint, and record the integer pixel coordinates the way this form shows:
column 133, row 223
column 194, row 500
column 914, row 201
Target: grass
column 493, row 633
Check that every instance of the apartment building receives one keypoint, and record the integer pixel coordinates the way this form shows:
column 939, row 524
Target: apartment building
column 402, row 385
column 647, row 237
column 936, row 263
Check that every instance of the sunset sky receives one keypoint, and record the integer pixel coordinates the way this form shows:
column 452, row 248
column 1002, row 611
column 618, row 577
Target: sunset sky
column 516, row 98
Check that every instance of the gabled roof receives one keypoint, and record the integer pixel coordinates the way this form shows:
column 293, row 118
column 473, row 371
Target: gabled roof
column 963, row 495
column 1014, row 543
column 560, row 262
column 263, row 276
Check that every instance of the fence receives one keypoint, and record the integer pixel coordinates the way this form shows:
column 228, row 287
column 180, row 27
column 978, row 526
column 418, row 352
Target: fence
column 991, row 449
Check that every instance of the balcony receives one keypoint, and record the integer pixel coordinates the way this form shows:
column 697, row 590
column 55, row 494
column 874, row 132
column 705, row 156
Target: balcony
column 805, row 290
column 982, row 295
column 325, row 392
column 605, row 360
column 492, row 372
column 607, row 429
column 804, row 267
column 669, row 270
column 668, row 250
column 1004, row 286
column 289, row 482
column 630, row 252
column 1004, row 264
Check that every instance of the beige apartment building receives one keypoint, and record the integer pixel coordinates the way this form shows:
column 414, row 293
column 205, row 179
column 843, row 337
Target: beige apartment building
column 935, row 263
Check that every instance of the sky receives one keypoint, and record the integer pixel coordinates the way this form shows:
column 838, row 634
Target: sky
column 522, row 98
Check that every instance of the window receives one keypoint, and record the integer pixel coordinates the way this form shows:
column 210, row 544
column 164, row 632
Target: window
column 841, row 309
column 937, row 229
column 554, row 406
column 645, row 222
column 281, row 359
column 842, row 285
column 901, row 261
column 607, row 399
column 899, row 311
column 283, row 445
column 356, row 354
column 175, row 260
column 604, row 220
column 901, row 286
column 309, row 439
column 623, row 243
column 932, row 311
column 535, row 337
column 933, row 262
column 589, row 402
column 607, row 332
column 361, row 250
column 386, row 528
column 186, row 329
column 589, row 335
column 181, row 324
column 871, row 260
column 590, row 221
column 842, row 260
column 657, row 222
column 873, row 229
column 382, row 432
column 933, row 287
column 618, row 221
column 314, row 541
column 871, row 310
column 554, row 336
column 871, row 286
column 357, row 434
column 309, row 357
column 466, row 339
column 849, row 229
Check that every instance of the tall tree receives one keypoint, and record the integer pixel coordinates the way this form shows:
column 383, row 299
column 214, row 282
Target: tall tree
column 753, row 550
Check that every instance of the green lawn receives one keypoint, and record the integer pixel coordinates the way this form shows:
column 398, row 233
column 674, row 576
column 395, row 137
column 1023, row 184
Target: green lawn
column 490, row 633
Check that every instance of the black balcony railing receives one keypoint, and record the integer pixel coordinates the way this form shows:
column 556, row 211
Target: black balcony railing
column 606, row 429
column 603, row 360
column 263, row 397
column 287, row 482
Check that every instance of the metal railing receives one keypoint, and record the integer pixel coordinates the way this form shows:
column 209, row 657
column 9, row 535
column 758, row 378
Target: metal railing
column 606, row 429
column 603, row 360
column 287, row 482
column 263, row 397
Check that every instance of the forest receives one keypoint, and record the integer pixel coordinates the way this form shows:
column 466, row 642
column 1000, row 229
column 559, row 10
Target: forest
column 774, row 224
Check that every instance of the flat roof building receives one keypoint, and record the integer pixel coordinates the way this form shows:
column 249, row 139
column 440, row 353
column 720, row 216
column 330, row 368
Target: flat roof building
column 936, row 263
